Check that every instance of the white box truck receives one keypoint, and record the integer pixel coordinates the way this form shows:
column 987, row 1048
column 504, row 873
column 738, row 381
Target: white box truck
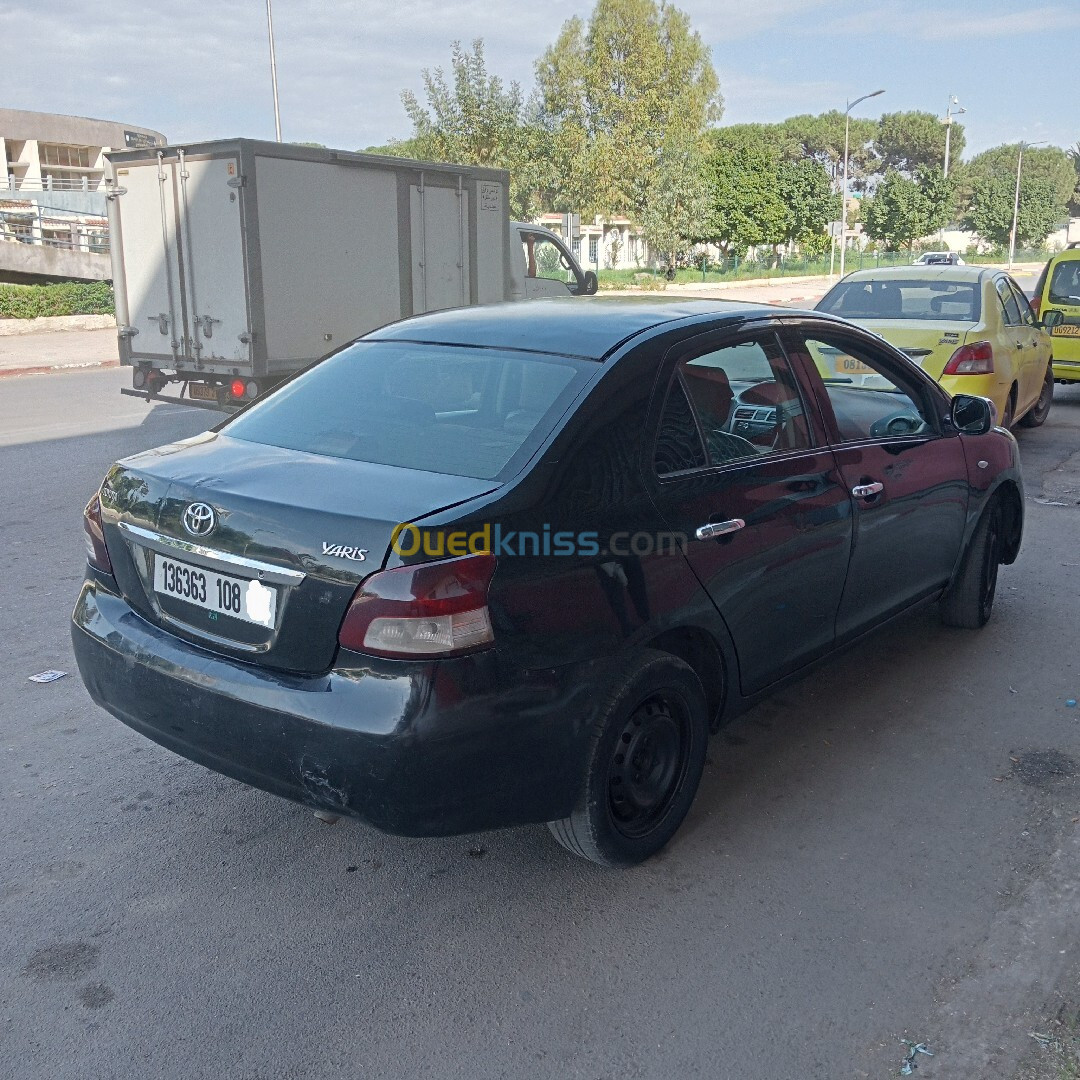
column 238, row 262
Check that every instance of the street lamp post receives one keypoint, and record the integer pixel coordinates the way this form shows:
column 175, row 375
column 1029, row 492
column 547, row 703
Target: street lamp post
column 273, row 70
column 843, row 204
column 1016, row 198
column 953, row 100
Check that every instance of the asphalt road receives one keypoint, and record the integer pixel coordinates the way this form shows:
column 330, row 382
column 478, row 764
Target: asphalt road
column 888, row 849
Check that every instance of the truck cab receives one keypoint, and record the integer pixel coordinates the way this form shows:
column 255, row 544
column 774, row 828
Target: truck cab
column 546, row 267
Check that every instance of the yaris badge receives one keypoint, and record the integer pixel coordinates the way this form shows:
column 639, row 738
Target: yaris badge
column 199, row 519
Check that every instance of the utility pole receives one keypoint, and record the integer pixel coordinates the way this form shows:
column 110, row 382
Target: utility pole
column 273, row 69
column 953, row 100
column 1016, row 198
column 843, row 205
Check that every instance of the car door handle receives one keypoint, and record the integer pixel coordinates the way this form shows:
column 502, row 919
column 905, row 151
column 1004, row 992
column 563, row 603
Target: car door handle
column 864, row 491
column 721, row 528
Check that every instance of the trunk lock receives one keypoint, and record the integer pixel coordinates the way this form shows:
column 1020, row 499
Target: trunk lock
column 207, row 324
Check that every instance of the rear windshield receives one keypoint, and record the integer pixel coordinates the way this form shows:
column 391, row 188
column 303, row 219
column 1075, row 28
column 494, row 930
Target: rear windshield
column 438, row 408
column 896, row 298
column 1065, row 283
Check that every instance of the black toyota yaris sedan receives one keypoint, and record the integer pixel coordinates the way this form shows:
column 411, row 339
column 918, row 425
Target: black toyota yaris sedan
column 513, row 564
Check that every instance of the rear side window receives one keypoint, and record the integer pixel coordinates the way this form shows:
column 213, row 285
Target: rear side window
column 1008, row 301
column 436, row 408
column 900, row 298
column 678, row 443
column 1065, row 283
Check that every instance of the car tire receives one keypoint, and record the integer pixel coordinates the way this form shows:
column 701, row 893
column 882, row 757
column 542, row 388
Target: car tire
column 1041, row 409
column 644, row 765
column 969, row 601
column 1010, row 410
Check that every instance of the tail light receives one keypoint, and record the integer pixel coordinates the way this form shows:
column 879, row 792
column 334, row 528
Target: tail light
column 430, row 609
column 97, row 554
column 1036, row 304
column 977, row 359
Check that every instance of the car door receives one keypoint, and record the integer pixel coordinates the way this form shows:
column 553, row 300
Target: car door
column 1037, row 346
column 740, row 468
column 1020, row 345
column 547, row 270
column 903, row 467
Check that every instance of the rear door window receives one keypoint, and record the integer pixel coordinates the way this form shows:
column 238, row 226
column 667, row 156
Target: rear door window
column 436, row 408
column 1008, row 302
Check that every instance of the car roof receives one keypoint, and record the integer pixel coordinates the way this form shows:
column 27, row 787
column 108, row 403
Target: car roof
column 586, row 327
column 922, row 272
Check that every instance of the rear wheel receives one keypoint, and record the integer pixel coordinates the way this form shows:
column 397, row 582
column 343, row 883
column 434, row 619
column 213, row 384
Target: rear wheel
column 1010, row 411
column 645, row 762
column 1037, row 416
column 970, row 599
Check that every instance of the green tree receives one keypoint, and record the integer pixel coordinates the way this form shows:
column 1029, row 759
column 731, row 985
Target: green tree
column 775, row 139
column 620, row 93
column 906, row 140
column 473, row 118
column 822, row 139
column 676, row 206
column 1074, row 157
column 746, row 207
column 808, row 196
column 1049, row 163
column 990, row 210
column 904, row 210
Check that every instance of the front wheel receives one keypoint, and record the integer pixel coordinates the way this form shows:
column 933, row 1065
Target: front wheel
column 970, row 599
column 1037, row 416
column 645, row 761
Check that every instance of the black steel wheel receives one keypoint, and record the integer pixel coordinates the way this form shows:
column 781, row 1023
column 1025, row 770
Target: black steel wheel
column 1041, row 410
column 645, row 762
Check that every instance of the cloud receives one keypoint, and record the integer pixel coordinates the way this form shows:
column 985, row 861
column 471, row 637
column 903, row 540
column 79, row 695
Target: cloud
column 934, row 22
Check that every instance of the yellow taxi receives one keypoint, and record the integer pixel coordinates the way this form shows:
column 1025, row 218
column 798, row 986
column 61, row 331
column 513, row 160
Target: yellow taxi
column 969, row 327
column 1057, row 303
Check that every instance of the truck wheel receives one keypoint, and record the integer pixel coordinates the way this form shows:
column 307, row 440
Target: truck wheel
column 1041, row 410
column 644, row 763
column 970, row 598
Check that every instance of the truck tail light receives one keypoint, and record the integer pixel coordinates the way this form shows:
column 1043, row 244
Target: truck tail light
column 430, row 609
column 977, row 359
column 97, row 554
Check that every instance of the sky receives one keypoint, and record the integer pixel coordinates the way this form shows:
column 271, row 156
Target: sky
column 200, row 70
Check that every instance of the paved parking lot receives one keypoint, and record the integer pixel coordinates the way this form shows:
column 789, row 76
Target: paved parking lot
column 888, row 849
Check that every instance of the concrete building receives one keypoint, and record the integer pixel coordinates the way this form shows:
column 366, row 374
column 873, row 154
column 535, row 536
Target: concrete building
column 48, row 152
column 52, row 193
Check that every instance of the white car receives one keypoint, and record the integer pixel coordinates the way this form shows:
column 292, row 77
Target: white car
column 939, row 258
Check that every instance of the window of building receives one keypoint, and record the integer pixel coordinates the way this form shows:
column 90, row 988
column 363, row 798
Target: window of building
column 594, row 248
column 72, row 157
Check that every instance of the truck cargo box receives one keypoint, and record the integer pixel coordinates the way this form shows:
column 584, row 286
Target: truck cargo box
column 249, row 259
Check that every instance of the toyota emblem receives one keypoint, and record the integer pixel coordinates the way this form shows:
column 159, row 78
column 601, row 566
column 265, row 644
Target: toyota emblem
column 199, row 519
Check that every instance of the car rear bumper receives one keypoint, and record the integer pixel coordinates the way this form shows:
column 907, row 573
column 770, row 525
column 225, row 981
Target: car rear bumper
column 418, row 749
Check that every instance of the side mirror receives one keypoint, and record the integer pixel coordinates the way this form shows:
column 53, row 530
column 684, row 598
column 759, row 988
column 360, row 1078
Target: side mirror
column 1053, row 318
column 590, row 283
column 972, row 415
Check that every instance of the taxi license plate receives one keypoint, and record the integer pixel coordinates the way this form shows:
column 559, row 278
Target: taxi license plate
column 202, row 391
column 220, row 594
column 1066, row 330
column 850, row 366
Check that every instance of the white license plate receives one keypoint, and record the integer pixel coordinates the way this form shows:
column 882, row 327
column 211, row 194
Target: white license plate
column 220, row 594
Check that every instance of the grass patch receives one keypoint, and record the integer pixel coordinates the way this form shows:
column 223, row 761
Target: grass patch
column 64, row 298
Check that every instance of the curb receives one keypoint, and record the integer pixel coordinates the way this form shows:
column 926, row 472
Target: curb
column 48, row 369
column 50, row 324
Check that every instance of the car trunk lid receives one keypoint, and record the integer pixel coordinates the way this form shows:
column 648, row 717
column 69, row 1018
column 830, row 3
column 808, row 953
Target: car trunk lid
column 293, row 534
column 929, row 344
